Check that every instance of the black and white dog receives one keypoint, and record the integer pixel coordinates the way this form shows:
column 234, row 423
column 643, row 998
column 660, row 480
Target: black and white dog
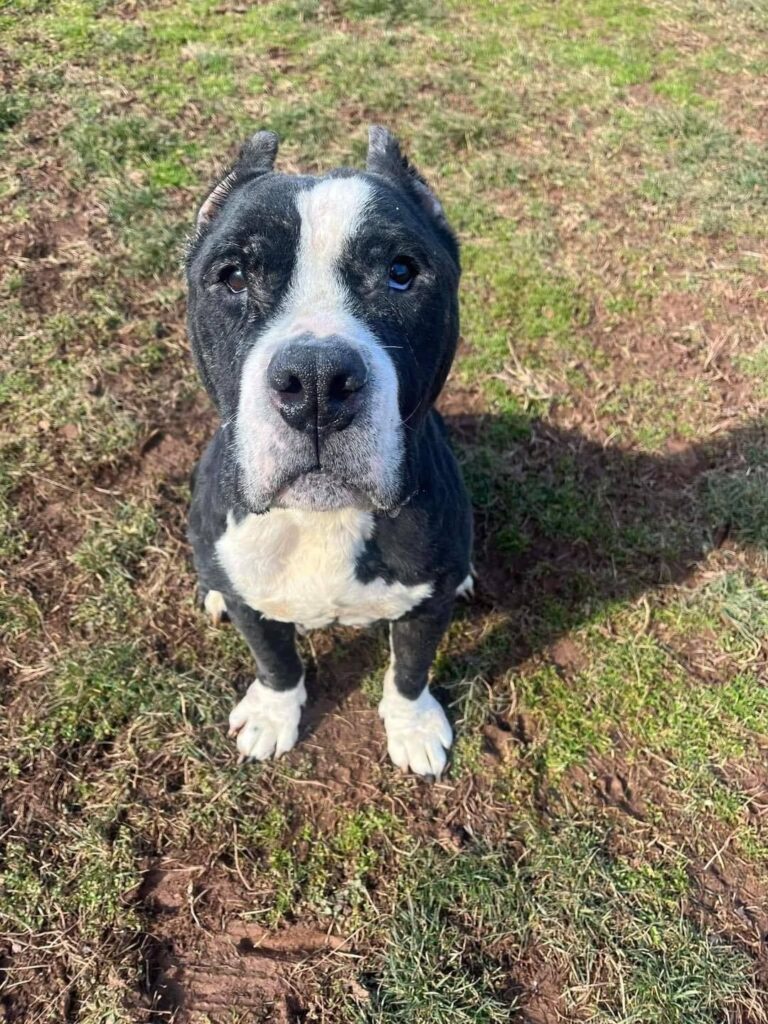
column 323, row 314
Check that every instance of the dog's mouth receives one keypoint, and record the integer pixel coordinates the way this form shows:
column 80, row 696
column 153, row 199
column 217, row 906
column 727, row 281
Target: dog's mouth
column 319, row 489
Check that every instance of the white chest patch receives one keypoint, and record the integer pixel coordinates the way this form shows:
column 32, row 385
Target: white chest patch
column 298, row 566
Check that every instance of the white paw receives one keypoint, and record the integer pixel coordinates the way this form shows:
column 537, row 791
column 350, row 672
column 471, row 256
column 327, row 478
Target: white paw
column 419, row 734
column 215, row 606
column 266, row 721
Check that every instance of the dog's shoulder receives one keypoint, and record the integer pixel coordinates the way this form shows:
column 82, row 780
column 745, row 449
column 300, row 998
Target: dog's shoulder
column 431, row 536
column 213, row 491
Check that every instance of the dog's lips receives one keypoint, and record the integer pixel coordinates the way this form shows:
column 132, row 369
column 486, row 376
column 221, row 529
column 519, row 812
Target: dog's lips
column 320, row 488
column 318, row 475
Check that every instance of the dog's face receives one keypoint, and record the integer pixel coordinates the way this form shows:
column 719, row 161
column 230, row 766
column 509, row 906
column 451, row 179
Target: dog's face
column 323, row 314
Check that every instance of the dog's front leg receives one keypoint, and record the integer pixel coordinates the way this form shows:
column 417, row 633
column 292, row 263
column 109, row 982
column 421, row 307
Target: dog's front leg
column 419, row 734
column 266, row 721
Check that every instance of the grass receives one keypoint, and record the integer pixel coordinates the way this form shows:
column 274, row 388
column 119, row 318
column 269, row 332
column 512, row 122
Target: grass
column 599, row 848
column 611, row 927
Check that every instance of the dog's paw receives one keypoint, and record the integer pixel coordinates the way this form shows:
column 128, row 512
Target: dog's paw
column 215, row 607
column 266, row 721
column 419, row 734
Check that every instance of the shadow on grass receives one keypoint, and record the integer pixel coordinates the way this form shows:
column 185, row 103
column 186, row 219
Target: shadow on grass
column 566, row 526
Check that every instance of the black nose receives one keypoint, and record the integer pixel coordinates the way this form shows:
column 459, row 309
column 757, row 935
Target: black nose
column 317, row 384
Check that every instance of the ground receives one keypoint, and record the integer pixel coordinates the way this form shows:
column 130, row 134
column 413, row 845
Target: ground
column 599, row 850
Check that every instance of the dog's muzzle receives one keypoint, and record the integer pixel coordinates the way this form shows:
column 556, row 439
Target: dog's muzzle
column 317, row 386
column 318, row 423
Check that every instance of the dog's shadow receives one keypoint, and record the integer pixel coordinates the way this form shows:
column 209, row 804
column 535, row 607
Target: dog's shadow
column 566, row 525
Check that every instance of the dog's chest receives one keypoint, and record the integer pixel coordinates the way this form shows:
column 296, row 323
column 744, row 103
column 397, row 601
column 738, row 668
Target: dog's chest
column 296, row 566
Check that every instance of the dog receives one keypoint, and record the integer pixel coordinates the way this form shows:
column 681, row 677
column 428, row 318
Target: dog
column 323, row 317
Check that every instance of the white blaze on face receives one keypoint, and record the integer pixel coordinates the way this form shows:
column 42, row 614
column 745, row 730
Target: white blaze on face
column 330, row 214
column 318, row 304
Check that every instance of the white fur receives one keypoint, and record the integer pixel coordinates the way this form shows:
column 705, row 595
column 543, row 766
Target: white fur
column 266, row 721
column 318, row 304
column 298, row 566
column 215, row 605
column 467, row 587
column 419, row 734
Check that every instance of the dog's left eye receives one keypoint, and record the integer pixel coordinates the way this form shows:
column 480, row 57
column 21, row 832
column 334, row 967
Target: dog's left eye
column 402, row 272
column 234, row 279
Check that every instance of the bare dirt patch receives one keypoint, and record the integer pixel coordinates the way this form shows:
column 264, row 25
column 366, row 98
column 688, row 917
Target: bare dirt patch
column 204, row 959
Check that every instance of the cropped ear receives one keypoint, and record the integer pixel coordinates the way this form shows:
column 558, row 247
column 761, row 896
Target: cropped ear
column 257, row 156
column 386, row 158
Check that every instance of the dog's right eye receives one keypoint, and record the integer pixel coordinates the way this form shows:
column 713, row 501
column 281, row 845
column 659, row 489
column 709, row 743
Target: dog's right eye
column 401, row 274
column 234, row 279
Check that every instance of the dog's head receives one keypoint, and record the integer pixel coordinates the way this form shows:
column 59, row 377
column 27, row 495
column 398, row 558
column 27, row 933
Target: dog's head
column 323, row 314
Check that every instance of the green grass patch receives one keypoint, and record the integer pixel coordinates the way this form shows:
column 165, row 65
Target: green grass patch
column 738, row 606
column 94, row 693
column 78, row 874
column 737, row 499
column 610, row 928
column 108, row 556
